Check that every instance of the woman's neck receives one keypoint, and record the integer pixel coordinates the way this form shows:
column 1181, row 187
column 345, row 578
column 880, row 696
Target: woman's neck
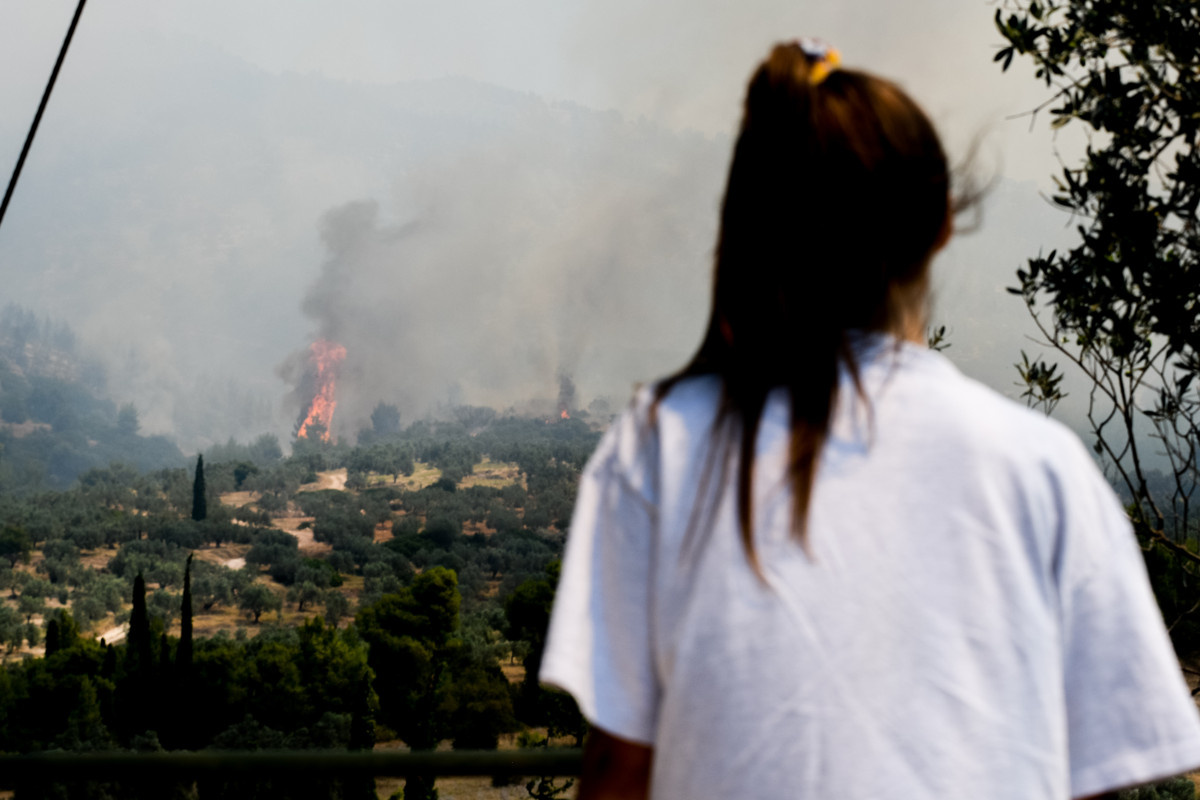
column 911, row 310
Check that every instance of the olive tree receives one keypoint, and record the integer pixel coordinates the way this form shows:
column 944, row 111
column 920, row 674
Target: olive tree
column 1121, row 305
column 256, row 599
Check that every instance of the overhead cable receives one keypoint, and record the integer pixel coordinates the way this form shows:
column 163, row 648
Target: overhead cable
column 37, row 118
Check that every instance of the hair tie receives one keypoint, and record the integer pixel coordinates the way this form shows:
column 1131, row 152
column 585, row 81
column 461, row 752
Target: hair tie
column 824, row 57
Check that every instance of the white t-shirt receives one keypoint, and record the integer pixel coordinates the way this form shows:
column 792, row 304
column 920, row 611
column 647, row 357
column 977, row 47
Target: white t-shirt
column 975, row 619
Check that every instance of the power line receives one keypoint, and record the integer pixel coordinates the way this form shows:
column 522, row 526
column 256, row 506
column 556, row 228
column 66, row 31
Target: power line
column 37, row 118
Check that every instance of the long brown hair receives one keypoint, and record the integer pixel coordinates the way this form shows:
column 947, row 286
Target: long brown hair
column 838, row 195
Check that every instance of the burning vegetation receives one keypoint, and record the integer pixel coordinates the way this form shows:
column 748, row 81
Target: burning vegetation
column 321, row 378
column 566, row 395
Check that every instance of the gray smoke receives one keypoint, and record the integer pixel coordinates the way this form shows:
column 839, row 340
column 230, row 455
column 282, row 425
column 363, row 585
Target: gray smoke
column 569, row 242
column 473, row 241
column 567, row 399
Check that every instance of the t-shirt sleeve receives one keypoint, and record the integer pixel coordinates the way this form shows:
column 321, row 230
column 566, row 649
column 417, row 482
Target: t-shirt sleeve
column 1130, row 716
column 598, row 646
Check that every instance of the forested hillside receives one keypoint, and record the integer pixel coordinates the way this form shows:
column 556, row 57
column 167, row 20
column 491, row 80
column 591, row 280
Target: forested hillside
column 393, row 590
column 56, row 420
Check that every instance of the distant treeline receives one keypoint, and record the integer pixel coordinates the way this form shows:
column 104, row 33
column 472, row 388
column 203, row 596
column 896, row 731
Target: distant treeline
column 57, row 421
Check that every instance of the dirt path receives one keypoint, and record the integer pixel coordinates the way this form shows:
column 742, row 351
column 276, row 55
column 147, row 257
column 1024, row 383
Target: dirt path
column 335, row 479
column 114, row 635
column 304, row 536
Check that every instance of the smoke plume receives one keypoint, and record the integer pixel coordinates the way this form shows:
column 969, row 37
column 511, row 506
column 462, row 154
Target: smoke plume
column 530, row 259
column 566, row 394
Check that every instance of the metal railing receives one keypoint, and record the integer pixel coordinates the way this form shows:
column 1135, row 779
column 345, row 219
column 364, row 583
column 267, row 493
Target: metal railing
column 18, row 770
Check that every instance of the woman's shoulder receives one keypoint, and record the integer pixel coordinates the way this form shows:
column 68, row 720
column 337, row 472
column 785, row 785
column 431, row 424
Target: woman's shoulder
column 657, row 415
column 693, row 399
column 919, row 394
column 978, row 414
column 695, row 396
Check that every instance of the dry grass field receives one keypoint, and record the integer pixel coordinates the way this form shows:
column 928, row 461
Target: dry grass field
column 495, row 474
column 383, row 532
column 423, row 475
column 333, row 479
column 98, row 558
column 224, row 554
column 238, row 499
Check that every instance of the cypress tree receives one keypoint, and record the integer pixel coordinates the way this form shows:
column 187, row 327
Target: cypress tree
column 108, row 667
column 51, row 637
column 178, row 728
column 135, row 684
column 139, row 645
column 199, row 500
column 164, row 661
column 183, row 656
column 62, row 632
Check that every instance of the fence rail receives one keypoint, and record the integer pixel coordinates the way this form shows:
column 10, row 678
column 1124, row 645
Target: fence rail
column 16, row 770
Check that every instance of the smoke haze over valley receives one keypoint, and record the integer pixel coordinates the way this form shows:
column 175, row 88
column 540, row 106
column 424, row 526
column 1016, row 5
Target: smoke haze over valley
column 471, row 211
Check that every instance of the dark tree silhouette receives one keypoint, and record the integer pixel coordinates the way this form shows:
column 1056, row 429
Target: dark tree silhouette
column 52, row 643
column 362, row 737
column 138, row 640
column 136, row 687
column 199, row 500
column 183, row 656
column 527, row 612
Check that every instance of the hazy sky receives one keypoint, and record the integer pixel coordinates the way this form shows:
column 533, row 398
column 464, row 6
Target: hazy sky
column 180, row 207
column 681, row 63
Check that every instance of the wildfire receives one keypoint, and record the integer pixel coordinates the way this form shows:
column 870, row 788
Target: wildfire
column 324, row 356
column 566, row 394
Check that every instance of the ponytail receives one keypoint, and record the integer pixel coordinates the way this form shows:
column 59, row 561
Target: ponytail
column 837, row 196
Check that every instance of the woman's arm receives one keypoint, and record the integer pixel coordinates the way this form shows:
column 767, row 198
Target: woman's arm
column 614, row 768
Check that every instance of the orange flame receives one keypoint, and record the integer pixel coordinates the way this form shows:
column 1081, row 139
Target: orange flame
column 325, row 356
column 564, row 414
